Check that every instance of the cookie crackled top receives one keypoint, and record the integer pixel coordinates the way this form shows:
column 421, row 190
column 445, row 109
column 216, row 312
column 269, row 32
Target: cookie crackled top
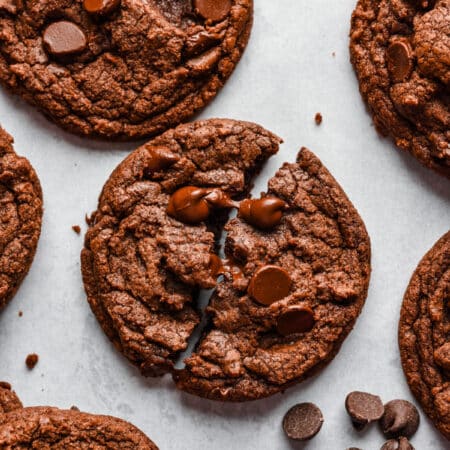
column 120, row 69
column 424, row 334
column 292, row 284
column 401, row 53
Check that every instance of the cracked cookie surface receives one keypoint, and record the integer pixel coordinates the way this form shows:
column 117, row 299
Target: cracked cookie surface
column 134, row 68
column 424, row 334
column 53, row 428
column 322, row 243
column 142, row 269
column 401, row 53
column 21, row 216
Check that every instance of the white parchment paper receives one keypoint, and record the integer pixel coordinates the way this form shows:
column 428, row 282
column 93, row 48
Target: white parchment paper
column 287, row 74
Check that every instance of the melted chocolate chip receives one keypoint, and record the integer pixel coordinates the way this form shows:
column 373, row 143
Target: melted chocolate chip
column 363, row 408
column 101, row 7
column 216, row 265
column 200, row 43
column 400, row 418
column 303, row 421
column 400, row 61
column 214, row 10
column 64, row 38
column 264, row 213
column 160, row 158
column 219, row 199
column 296, row 320
column 269, row 285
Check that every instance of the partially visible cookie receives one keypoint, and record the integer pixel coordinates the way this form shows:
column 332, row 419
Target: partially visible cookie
column 401, row 53
column 424, row 334
column 20, row 217
column 120, row 69
column 8, row 399
column 142, row 268
column 300, row 287
column 53, row 428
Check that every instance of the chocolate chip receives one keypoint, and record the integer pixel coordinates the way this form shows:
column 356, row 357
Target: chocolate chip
column 101, row 7
column 160, row 158
column 215, row 265
column 269, row 284
column 303, row 421
column 295, row 320
column 363, row 408
column 200, row 43
column 318, row 119
column 214, row 10
column 400, row 61
column 265, row 213
column 64, row 38
column 5, row 385
column 442, row 356
column 400, row 418
column 400, row 444
column 31, row 361
column 193, row 205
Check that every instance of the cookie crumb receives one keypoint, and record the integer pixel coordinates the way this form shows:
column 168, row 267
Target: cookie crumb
column 318, row 118
column 20, row 313
column 333, row 54
column 32, row 360
column 76, row 228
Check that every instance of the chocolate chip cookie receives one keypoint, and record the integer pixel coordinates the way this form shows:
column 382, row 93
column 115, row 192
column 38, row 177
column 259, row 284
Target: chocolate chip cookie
column 293, row 282
column 424, row 334
column 53, row 428
column 120, row 69
column 21, row 216
column 142, row 268
column 401, row 53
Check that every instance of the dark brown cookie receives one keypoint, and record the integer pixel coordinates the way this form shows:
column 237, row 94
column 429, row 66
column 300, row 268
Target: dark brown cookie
column 53, row 428
column 21, row 216
column 322, row 244
column 424, row 334
column 142, row 269
column 401, row 53
column 120, row 69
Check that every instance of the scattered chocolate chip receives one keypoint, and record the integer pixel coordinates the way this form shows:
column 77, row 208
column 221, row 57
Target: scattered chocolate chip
column 160, row 158
column 442, row 356
column 264, row 213
column 400, row 418
column 318, row 119
column 64, row 38
column 269, row 284
column 296, row 320
column 76, row 228
column 363, row 408
column 31, row 361
column 400, row 61
column 214, row 10
column 101, row 7
column 303, row 421
column 400, row 444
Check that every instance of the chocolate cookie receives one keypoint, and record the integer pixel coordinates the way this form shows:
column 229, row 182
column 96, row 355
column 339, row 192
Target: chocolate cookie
column 424, row 334
column 142, row 269
column 8, row 399
column 120, row 69
column 53, row 428
column 21, row 216
column 294, row 281
column 401, row 53
column 257, row 345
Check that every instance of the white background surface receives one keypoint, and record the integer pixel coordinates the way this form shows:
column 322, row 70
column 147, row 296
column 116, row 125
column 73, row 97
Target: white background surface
column 288, row 74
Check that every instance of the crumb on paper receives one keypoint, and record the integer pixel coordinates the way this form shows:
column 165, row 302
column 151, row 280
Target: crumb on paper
column 32, row 360
column 318, row 118
column 76, row 228
column 333, row 54
column 20, row 313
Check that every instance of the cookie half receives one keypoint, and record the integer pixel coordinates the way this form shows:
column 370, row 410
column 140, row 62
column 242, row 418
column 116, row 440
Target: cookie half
column 253, row 348
column 400, row 50
column 53, row 428
column 424, row 334
column 21, row 217
column 120, row 69
column 142, row 269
